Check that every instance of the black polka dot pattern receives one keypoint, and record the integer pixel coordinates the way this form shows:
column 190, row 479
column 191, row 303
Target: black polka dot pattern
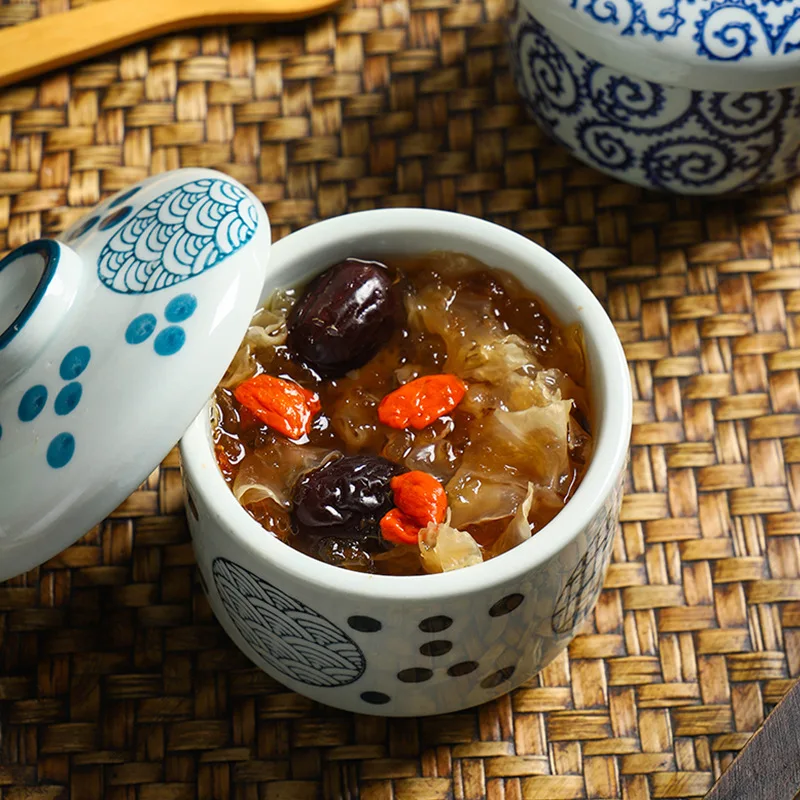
column 375, row 698
column 438, row 647
column 464, row 668
column 435, row 624
column 496, row 678
column 506, row 605
column 364, row 624
column 415, row 675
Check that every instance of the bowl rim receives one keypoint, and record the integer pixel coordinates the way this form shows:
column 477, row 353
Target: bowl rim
column 602, row 476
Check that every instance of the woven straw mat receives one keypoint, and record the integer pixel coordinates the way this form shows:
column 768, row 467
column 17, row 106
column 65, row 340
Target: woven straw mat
column 116, row 681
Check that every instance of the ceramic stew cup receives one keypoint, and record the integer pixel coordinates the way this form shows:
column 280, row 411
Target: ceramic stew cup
column 430, row 644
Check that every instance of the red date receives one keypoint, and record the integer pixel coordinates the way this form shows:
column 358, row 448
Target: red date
column 343, row 318
column 344, row 499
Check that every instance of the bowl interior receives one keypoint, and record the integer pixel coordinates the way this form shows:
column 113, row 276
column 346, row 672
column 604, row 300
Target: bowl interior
column 383, row 233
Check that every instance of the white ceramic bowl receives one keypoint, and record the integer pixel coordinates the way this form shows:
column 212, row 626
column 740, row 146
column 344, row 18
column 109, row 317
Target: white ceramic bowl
column 689, row 97
column 431, row 644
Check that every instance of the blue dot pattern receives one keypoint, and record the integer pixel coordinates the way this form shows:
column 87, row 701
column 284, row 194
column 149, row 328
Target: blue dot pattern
column 180, row 308
column 84, row 228
column 61, row 450
column 123, row 197
column 115, row 218
column 140, row 329
column 74, row 363
column 32, row 403
column 169, row 341
column 68, row 398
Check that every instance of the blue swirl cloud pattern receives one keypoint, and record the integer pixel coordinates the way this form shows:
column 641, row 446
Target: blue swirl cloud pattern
column 721, row 30
column 652, row 134
column 291, row 637
column 177, row 236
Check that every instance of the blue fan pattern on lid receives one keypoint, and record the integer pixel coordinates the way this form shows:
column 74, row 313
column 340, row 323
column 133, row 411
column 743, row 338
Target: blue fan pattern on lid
column 177, row 236
column 721, row 30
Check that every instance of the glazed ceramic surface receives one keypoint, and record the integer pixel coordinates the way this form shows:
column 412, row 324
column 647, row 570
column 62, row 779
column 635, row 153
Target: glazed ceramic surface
column 431, row 644
column 111, row 339
column 687, row 97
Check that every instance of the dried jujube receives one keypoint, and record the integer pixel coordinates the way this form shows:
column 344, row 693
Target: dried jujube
column 345, row 498
column 343, row 318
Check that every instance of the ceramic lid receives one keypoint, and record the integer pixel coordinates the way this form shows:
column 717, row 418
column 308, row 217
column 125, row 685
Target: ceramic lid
column 718, row 45
column 112, row 338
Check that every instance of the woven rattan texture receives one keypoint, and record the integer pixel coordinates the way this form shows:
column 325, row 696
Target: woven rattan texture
column 115, row 680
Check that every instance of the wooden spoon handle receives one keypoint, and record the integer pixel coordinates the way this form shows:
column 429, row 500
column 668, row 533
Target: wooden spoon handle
column 58, row 40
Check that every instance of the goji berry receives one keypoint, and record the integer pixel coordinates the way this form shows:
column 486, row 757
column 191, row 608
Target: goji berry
column 420, row 497
column 283, row 405
column 396, row 527
column 422, row 401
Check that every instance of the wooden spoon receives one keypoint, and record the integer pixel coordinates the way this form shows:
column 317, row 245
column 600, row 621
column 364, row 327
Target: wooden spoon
column 57, row 40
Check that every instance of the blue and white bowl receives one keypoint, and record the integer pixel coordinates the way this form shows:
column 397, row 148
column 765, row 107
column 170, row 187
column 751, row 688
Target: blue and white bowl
column 687, row 96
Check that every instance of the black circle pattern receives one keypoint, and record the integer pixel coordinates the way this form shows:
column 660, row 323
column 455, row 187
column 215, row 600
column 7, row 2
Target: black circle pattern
column 291, row 637
column 496, row 678
column 463, row 668
column 435, row 624
column 506, row 605
column 415, row 675
column 364, row 624
column 375, row 698
column 438, row 647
